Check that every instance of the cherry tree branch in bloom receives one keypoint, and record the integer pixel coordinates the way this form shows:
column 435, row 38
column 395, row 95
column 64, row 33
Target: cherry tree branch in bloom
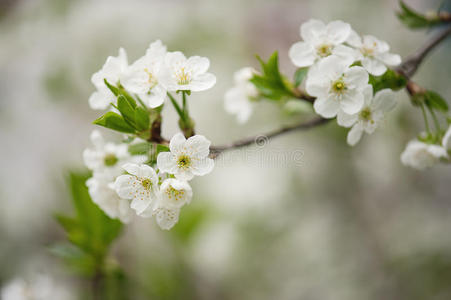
column 407, row 68
column 216, row 150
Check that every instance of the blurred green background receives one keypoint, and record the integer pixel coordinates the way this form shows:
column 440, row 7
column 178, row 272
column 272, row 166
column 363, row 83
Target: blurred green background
column 334, row 222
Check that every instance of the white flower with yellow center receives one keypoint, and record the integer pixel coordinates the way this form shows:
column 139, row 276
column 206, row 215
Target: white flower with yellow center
column 370, row 116
column 111, row 71
column 142, row 77
column 320, row 41
column 373, row 53
column 180, row 73
column 107, row 158
column 336, row 87
column 188, row 157
column 238, row 99
column 420, row 155
column 140, row 186
column 103, row 194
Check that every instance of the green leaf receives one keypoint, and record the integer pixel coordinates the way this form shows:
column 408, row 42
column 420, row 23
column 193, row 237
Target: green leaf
column 140, row 148
column 271, row 84
column 390, row 79
column 299, row 76
column 112, row 88
column 114, row 121
column 415, row 20
column 142, row 119
column 117, row 91
column 127, row 111
column 434, row 101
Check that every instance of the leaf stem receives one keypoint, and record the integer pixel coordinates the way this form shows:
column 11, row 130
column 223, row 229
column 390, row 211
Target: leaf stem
column 426, row 123
column 177, row 107
column 434, row 117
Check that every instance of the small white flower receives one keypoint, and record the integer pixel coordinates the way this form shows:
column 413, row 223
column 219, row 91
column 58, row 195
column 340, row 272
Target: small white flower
column 187, row 157
column 140, row 186
column 103, row 194
column 111, row 71
column 107, row 158
column 420, row 155
column 373, row 53
column 185, row 74
column 446, row 142
column 320, row 41
column 175, row 193
column 336, row 87
column 238, row 99
column 370, row 116
column 142, row 77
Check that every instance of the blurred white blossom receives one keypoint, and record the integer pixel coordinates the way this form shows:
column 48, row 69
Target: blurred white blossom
column 41, row 287
column 420, row 155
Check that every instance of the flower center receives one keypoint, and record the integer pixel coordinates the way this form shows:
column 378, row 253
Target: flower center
column 152, row 80
column 365, row 114
column 324, row 50
column 339, row 87
column 184, row 161
column 367, row 51
column 110, row 160
column 146, row 183
column 183, row 78
column 176, row 194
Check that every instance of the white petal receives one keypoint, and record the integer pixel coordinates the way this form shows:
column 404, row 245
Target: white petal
column 175, row 59
column 355, row 134
column 200, row 82
column 347, row 54
column 384, row 100
column 166, row 162
column 447, row 139
column 311, row 30
column 177, row 143
column 374, row 66
column 183, row 174
column 326, row 107
column 346, row 120
column 332, row 67
column 352, row 102
column 203, row 166
column 167, row 217
column 197, row 65
column 390, row 59
column 302, row 54
column 148, row 172
column 155, row 98
column 125, row 186
column 135, row 80
column 92, row 159
column 356, row 78
column 354, row 39
column 101, row 99
column 132, row 169
column 156, row 50
column 338, row 32
column 235, row 102
column 175, row 200
column 367, row 94
column 198, row 146
column 97, row 139
column 140, row 204
column 317, row 86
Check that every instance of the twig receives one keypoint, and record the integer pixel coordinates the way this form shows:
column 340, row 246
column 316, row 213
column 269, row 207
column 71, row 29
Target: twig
column 411, row 64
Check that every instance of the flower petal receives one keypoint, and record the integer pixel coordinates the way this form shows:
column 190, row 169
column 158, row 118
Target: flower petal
column 346, row 120
column 311, row 30
column 355, row 134
column 197, row 65
column 167, row 217
column 384, row 101
column 356, row 77
column 354, row 40
column 326, row 107
column 203, row 166
column 200, row 82
column 352, row 102
column 302, row 54
column 166, row 162
column 177, row 142
column 198, row 146
column 390, row 59
column 374, row 66
column 338, row 32
column 132, row 169
column 125, row 186
column 101, row 99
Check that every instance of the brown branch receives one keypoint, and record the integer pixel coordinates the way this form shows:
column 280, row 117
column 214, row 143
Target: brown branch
column 411, row 64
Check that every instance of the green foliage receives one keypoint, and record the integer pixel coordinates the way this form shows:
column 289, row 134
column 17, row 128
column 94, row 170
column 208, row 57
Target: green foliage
column 271, row 84
column 114, row 121
column 434, row 101
column 300, row 75
column 415, row 20
column 390, row 79
column 90, row 231
column 191, row 220
column 135, row 116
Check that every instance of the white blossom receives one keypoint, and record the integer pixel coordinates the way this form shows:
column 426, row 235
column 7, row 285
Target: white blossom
column 373, row 53
column 187, row 157
column 111, row 71
column 420, row 155
column 41, row 287
column 238, row 99
column 141, row 186
column 103, row 194
column 143, row 76
column 336, row 87
column 370, row 116
column 107, row 158
column 320, row 41
column 166, row 216
column 180, row 73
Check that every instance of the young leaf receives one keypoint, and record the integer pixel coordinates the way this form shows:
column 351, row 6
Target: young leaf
column 140, row 148
column 299, row 76
column 142, row 119
column 126, row 110
column 114, row 121
column 389, row 79
column 434, row 101
column 120, row 91
column 414, row 20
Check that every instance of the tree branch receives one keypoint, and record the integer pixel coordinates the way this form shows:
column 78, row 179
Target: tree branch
column 411, row 64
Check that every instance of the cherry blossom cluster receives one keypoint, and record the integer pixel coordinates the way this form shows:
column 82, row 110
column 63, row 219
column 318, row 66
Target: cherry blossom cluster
column 339, row 66
column 123, row 183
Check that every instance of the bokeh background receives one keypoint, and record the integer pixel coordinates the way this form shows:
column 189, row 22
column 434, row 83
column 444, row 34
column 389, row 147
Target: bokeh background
column 302, row 217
